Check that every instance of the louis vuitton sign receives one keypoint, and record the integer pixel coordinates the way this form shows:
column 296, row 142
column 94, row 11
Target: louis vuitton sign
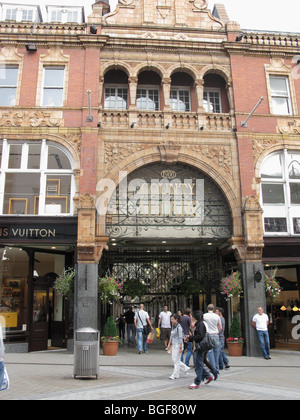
column 45, row 231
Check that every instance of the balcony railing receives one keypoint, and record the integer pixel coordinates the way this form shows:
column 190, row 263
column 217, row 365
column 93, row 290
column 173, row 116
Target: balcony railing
column 159, row 120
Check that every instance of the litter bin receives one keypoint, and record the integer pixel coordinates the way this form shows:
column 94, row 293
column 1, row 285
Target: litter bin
column 86, row 353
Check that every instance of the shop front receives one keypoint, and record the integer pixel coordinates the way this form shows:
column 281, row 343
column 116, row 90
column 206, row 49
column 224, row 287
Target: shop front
column 282, row 256
column 34, row 251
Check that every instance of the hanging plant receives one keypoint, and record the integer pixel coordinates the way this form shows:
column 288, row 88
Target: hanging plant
column 231, row 286
column 134, row 288
column 109, row 289
column 64, row 284
column 272, row 286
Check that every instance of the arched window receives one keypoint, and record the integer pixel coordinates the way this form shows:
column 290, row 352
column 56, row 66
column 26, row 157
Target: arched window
column 36, row 178
column 280, row 175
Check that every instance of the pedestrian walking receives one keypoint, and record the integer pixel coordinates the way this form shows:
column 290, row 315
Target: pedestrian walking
column 164, row 324
column 141, row 319
column 186, row 324
column 176, row 341
column 223, row 361
column 260, row 322
column 4, row 380
column 129, row 318
column 214, row 326
column 199, row 334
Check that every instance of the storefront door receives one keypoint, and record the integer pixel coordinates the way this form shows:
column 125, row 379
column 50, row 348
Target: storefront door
column 40, row 318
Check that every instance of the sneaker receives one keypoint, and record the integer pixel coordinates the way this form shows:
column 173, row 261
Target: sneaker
column 227, row 367
column 194, row 386
column 187, row 371
column 208, row 380
column 139, row 352
column 173, row 377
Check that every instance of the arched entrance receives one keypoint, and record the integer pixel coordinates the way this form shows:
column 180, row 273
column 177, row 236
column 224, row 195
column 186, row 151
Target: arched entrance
column 166, row 224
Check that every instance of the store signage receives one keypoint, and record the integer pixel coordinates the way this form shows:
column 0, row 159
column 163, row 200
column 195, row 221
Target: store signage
column 35, row 231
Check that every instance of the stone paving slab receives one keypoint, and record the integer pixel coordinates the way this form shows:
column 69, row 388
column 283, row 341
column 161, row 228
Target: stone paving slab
column 129, row 376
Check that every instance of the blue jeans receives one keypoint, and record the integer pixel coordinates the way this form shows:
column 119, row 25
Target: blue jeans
column 264, row 342
column 201, row 372
column 213, row 355
column 130, row 329
column 1, row 372
column 189, row 352
column 141, row 340
column 222, row 357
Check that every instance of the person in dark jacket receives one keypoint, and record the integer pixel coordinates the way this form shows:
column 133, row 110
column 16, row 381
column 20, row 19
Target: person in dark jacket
column 198, row 336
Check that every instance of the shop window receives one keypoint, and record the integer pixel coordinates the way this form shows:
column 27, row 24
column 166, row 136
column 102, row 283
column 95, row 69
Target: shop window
column 37, row 179
column 280, row 175
column 8, row 85
column 14, row 266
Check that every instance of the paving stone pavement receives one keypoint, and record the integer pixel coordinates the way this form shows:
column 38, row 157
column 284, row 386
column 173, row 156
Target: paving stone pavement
column 128, row 376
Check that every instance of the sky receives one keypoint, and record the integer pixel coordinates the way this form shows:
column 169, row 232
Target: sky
column 264, row 15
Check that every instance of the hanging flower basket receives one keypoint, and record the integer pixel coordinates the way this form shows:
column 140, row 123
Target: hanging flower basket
column 231, row 286
column 64, row 284
column 272, row 287
column 109, row 289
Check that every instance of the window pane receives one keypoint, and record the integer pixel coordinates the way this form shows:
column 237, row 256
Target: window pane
column 272, row 167
column 21, row 190
column 278, row 86
column 294, row 165
column 57, row 159
column 34, row 156
column 273, row 194
column 296, row 222
column 7, row 96
column 295, row 193
column 58, row 188
column 8, row 76
column 277, row 224
column 280, row 106
column 54, row 77
column 15, row 155
column 53, row 97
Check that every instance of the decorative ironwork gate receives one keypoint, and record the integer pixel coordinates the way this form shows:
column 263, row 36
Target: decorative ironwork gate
column 177, row 201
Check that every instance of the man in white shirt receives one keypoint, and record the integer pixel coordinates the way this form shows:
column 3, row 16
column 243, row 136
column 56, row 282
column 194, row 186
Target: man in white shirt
column 164, row 324
column 141, row 318
column 260, row 321
column 214, row 327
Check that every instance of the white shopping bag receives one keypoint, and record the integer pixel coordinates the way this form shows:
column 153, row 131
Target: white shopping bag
column 5, row 385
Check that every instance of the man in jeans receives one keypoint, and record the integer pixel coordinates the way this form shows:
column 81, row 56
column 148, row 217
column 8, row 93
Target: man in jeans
column 214, row 325
column 129, row 317
column 141, row 318
column 222, row 356
column 186, row 322
column 260, row 321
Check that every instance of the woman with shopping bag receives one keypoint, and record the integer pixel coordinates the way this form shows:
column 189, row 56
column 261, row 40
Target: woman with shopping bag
column 176, row 342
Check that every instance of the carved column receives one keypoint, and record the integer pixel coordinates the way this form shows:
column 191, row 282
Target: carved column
column 166, row 84
column 133, row 81
column 248, row 252
column 199, row 85
column 89, row 251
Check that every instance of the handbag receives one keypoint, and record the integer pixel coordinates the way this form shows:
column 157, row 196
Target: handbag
column 206, row 344
column 5, row 384
column 146, row 328
column 150, row 338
